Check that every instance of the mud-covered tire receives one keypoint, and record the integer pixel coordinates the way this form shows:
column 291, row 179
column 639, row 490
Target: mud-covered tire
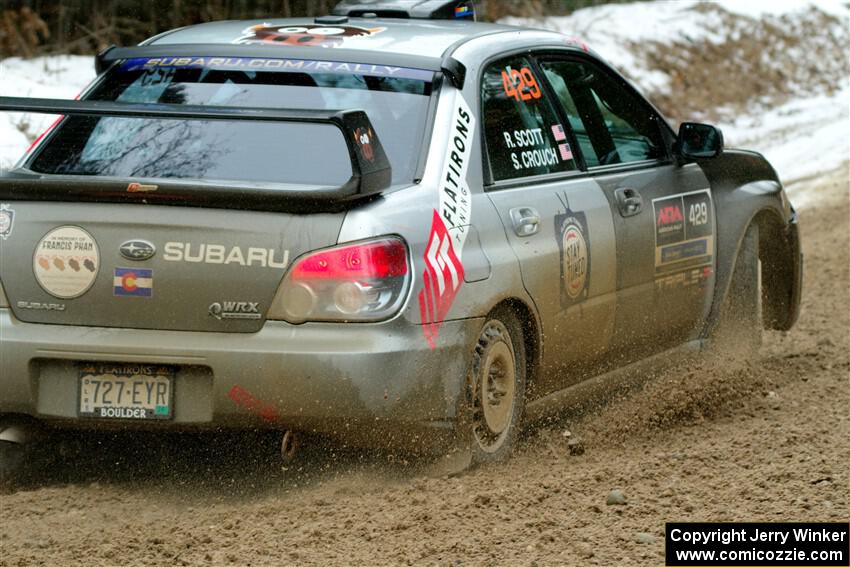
column 740, row 326
column 12, row 465
column 495, row 398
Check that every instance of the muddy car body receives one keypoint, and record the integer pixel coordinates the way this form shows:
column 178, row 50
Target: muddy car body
column 492, row 216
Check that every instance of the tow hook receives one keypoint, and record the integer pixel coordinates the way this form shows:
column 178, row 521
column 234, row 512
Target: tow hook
column 288, row 446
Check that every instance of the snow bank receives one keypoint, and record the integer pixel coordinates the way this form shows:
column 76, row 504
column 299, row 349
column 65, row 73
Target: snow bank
column 43, row 77
column 807, row 135
column 759, row 8
column 803, row 137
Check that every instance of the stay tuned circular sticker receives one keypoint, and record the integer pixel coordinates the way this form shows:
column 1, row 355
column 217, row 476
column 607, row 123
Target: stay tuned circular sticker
column 575, row 260
column 66, row 262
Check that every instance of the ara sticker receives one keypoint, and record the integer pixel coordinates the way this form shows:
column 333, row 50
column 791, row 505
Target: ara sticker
column 573, row 238
column 7, row 221
column 66, row 261
column 307, row 35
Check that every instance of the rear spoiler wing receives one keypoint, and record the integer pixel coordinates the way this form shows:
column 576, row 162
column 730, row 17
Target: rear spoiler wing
column 453, row 69
column 370, row 175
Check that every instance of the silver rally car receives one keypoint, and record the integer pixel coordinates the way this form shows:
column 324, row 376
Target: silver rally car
column 393, row 225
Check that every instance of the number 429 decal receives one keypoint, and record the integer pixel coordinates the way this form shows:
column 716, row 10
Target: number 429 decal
column 520, row 84
column 698, row 213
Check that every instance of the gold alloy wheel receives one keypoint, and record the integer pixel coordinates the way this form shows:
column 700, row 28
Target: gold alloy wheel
column 494, row 388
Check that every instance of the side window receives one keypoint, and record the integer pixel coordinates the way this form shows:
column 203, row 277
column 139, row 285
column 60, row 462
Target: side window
column 611, row 124
column 523, row 134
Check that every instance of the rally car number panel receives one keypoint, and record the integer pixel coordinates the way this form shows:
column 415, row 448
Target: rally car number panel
column 684, row 231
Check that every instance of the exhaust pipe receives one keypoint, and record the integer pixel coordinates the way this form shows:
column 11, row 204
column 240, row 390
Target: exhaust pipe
column 14, row 434
column 21, row 456
column 288, row 446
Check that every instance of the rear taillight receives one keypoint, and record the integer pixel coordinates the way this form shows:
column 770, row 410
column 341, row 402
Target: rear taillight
column 365, row 281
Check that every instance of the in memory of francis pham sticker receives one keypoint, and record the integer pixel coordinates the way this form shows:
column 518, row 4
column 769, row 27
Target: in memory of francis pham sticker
column 684, row 231
column 66, row 262
column 443, row 275
column 7, row 221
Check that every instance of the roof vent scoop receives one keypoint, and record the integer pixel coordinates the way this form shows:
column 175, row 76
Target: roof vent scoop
column 331, row 20
column 413, row 9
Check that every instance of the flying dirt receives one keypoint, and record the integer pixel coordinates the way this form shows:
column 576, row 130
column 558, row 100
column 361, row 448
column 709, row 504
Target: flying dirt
column 708, row 438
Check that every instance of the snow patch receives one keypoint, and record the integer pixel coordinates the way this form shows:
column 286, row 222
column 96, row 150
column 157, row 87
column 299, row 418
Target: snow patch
column 761, row 8
column 807, row 135
column 801, row 139
column 60, row 76
column 804, row 137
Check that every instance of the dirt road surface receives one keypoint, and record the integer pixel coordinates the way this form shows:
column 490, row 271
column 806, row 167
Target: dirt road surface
column 710, row 440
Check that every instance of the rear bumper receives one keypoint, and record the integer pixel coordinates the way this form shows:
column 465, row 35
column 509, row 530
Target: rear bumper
column 338, row 379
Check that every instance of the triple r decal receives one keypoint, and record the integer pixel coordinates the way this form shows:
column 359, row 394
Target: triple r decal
column 444, row 272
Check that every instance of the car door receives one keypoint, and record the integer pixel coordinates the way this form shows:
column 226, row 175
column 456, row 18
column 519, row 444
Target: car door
column 663, row 213
column 558, row 221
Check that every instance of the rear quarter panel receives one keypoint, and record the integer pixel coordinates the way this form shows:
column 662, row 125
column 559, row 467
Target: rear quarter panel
column 489, row 268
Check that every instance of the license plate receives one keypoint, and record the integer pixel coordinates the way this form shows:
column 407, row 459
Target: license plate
column 126, row 391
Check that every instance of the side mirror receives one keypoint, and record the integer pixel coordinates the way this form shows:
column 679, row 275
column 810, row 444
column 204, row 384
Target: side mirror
column 699, row 141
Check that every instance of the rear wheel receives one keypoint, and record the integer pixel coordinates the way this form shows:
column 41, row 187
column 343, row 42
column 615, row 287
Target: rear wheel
column 740, row 327
column 496, row 389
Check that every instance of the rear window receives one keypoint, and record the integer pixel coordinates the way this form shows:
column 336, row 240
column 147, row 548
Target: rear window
column 395, row 98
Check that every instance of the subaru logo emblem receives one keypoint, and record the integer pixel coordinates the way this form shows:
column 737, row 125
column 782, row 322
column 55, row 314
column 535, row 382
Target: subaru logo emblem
column 138, row 250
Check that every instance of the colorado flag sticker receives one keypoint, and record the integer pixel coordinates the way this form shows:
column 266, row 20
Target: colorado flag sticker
column 132, row 282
